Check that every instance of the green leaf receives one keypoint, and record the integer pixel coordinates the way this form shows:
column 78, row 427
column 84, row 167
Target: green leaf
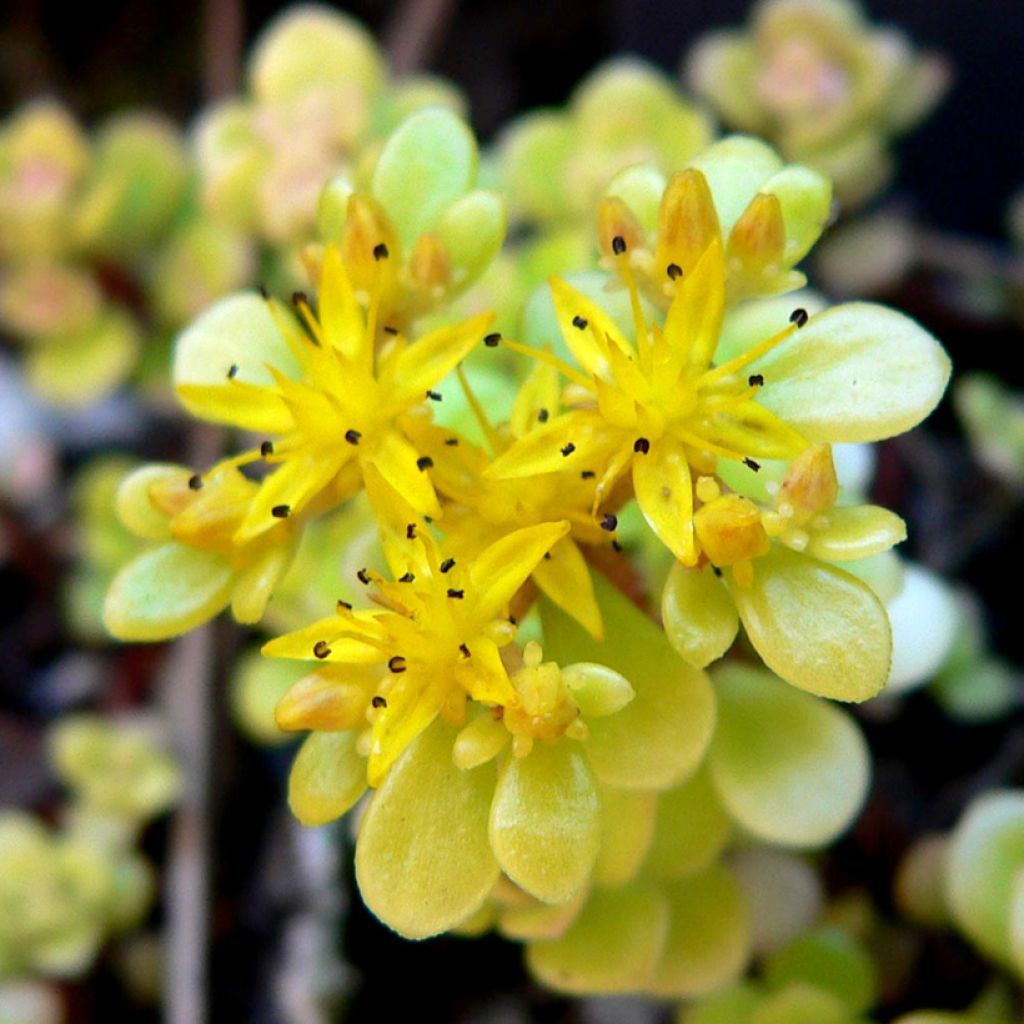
column 423, row 859
column 829, row 959
column 328, row 776
column 545, row 822
column 708, row 941
column 428, row 163
column 612, row 947
column 471, row 231
column 985, row 856
column 691, row 831
column 699, row 615
column 790, row 768
column 627, row 827
column 166, row 591
column 818, row 627
column 856, row 372
column 660, row 737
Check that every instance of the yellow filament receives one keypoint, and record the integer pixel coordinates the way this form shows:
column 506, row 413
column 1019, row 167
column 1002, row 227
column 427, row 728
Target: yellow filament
column 543, row 356
column 745, row 358
column 481, row 417
column 310, row 320
column 696, row 441
column 643, row 338
column 296, row 339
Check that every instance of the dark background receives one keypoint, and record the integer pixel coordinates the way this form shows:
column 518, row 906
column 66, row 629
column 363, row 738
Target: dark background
column 962, row 165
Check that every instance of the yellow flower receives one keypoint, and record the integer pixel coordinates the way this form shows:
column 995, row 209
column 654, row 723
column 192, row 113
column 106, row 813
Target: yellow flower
column 442, row 622
column 656, row 407
column 339, row 412
column 482, row 509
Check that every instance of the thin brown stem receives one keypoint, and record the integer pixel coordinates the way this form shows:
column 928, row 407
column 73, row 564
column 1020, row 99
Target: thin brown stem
column 414, row 33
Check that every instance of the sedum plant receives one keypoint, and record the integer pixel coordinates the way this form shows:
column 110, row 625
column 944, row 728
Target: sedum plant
column 822, row 84
column 532, row 746
column 65, row 890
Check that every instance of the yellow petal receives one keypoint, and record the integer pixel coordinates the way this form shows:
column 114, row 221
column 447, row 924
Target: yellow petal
column 293, row 484
column 578, row 318
column 413, row 701
column 693, row 323
column 330, row 699
column 572, row 442
column 327, row 777
column 482, row 674
column 423, row 859
column 502, row 568
column 399, row 464
column 816, row 626
column 752, row 430
column 300, row 643
column 565, row 579
column 431, row 358
column 661, row 480
column 238, row 404
column 341, row 319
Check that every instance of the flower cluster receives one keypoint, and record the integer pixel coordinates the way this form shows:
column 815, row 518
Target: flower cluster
column 536, row 751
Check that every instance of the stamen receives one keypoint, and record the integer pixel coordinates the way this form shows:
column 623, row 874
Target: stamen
column 542, row 415
column 568, row 449
column 464, row 650
column 380, row 252
column 579, row 322
column 410, row 531
column 353, row 436
column 363, row 576
column 393, row 331
column 701, row 443
column 434, row 396
column 716, row 571
column 311, row 322
column 321, row 649
column 406, row 578
column 379, row 701
column 267, row 449
column 616, row 546
column 641, row 446
column 674, row 271
column 232, row 371
column 457, row 594
column 478, row 411
column 281, row 511
column 618, row 245
column 262, row 289
column 752, row 464
column 491, row 340
column 343, row 605
column 756, row 380
column 727, row 369
column 544, row 356
column 452, row 442
column 799, row 317
column 396, row 664
column 609, row 522
column 424, row 462
column 195, row 482
column 447, row 565
column 587, row 474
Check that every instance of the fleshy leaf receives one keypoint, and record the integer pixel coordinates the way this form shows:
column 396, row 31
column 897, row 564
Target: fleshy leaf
column 627, row 827
column 984, row 860
column 660, row 737
column 613, row 946
column 166, row 591
column 856, row 372
column 692, row 829
column 428, row 163
column 789, row 767
column 545, row 822
column 818, row 627
column 708, row 940
column 423, row 859
column 699, row 615
column 327, row 777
